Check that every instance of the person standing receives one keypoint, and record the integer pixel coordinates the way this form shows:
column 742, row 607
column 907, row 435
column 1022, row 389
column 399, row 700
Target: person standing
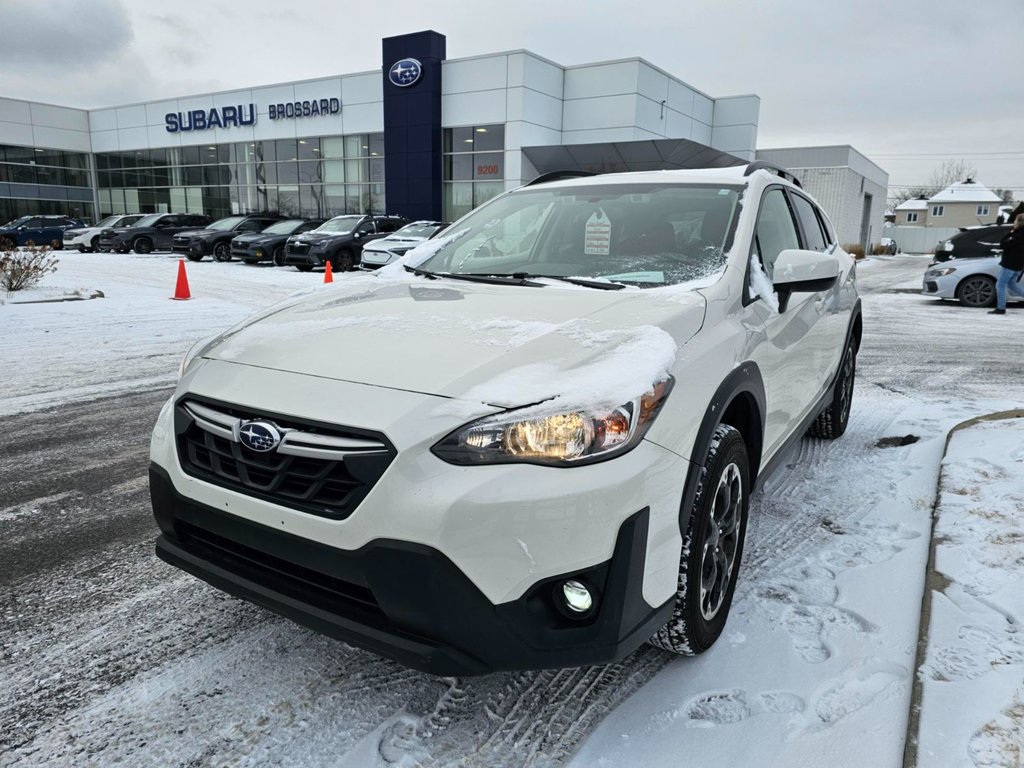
column 1012, row 263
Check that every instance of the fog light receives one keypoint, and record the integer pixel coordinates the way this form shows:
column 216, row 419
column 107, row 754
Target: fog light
column 577, row 597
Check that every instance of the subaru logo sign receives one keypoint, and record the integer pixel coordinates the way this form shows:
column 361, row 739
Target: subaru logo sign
column 259, row 436
column 405, row 72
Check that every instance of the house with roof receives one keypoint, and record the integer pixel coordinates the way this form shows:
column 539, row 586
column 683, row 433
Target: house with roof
column 912, row 212
column 962, row 204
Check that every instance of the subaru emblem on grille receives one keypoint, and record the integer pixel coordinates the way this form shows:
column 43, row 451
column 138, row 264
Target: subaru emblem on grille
column 260, row 436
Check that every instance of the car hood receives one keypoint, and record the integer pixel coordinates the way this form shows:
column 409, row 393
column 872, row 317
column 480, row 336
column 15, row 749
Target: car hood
column 390, row 242
column 255, row 237
column 465, row 340
column 197, row 233
column 319, row 237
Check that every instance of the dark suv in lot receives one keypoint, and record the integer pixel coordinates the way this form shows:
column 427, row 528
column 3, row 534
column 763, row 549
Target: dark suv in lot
column 39, row 230
column 339, row 240
column 153, row 232
column 268, row 245
column 216, row 238
column 973, row 243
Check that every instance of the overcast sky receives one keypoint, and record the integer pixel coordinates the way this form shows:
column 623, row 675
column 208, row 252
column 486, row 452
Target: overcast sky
column 907, row 82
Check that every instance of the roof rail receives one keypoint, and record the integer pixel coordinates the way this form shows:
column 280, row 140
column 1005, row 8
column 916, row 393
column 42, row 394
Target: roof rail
column 761, row 165
column 558, row 176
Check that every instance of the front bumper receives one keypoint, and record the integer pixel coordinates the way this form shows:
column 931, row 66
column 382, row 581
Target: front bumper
column 312, row 259
column 190, row 248
column 408, row 601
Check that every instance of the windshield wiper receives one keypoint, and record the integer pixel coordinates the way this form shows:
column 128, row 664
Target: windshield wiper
column 420, row 272
column 599, row 284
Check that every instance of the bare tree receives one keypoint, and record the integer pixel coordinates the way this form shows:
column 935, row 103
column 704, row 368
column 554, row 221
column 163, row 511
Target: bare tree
column 948, row 173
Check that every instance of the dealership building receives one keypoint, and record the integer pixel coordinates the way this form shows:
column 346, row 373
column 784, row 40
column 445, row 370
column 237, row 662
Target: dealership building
column 423, row 136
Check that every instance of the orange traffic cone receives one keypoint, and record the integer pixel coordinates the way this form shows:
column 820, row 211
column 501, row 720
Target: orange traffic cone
column 181, row 289
column 328, row 273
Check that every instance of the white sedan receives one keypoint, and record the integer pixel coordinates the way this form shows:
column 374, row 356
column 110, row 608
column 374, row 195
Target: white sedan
column 531, row 442
column 971, row 281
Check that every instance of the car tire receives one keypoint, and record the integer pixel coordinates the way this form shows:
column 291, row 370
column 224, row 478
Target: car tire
column 344, row 261
column 977, row 291
column 712, row 548
column 142, row 245
column 222, row 252
column 94, row 244
column 57, row 244
column 831, row 422
column 278, row 257
column 304, row 267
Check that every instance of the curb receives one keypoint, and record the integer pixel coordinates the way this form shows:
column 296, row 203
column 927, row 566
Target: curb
column 935, row 582
column 94, row 294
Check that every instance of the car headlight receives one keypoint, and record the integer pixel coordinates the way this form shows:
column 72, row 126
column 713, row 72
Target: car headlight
column 568, row 438
column 941, row 272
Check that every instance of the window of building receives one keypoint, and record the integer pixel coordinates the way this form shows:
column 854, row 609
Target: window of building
column 474, row 167
column 911, row 218
column 938, row 210
column 315, row 177
column 983, row 210
column 60, row 183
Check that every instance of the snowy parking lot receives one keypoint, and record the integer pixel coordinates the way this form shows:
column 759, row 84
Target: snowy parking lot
column 108, row 655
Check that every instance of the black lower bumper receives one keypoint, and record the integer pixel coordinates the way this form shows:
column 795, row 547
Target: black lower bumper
column 408, row 601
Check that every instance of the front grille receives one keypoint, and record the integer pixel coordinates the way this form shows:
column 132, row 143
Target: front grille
column 239, row 249
column 320, row 469
column 931, row 286
column 299, row 248
column 303, row 583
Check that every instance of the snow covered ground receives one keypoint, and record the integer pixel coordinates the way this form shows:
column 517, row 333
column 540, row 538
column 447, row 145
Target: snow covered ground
column 816, row 668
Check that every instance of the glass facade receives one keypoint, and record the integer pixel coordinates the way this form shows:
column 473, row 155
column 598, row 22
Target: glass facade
column 35, row 180
column 474, row 167
column 309, row 177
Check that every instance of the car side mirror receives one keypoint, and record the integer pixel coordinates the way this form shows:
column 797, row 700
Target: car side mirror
column 798, row 271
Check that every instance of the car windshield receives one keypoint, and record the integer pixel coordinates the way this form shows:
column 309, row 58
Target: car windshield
column 223, row 225
column 416, row 229
column 147, row 221
column 110, row 221
column 642, row 234
column 285, row 227
column 17, row 222
column 341, row 224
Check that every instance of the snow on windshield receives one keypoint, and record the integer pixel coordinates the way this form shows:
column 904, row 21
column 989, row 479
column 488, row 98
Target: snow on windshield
column 419, row 254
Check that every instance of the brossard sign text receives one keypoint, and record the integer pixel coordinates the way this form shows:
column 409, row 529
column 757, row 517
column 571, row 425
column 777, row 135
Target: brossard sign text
column 236, row 115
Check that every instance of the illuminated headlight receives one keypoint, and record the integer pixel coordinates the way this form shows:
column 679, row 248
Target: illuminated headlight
column 562, row 439
column 260, row 253
column 940, row 272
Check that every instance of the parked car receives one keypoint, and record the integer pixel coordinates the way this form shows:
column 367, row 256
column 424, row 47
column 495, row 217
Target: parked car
column 971, row 280
column 153, row 232
column 972, row 243
column 216, row 238
column 339, row 240
column 38, row 230
column 87, row 240
column 534, row 445
column 268, row 245
column 889, row 246
column 385, row 250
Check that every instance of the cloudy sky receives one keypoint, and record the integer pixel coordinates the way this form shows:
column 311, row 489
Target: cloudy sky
column 909, row 83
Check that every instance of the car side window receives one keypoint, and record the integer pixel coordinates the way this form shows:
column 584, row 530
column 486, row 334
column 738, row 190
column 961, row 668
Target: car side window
column 776, row 230
column 251, row 226
column 814, row 238
column 387, row 225
column 308, row 226
column 366, row 228
column 33, row 223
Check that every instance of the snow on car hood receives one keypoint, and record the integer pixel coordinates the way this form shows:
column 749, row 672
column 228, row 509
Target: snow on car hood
column 503, row 345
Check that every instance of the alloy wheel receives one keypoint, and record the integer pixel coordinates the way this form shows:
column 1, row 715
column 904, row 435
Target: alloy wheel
column 718, row 558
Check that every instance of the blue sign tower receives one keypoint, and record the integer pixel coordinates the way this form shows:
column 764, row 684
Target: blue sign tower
column 412, row 124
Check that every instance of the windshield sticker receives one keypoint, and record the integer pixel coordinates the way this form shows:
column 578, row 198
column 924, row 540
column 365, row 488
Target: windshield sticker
column 638, row 277
column 598, row 237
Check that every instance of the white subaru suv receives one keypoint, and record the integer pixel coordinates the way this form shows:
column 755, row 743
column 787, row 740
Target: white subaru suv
column 529, row 443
